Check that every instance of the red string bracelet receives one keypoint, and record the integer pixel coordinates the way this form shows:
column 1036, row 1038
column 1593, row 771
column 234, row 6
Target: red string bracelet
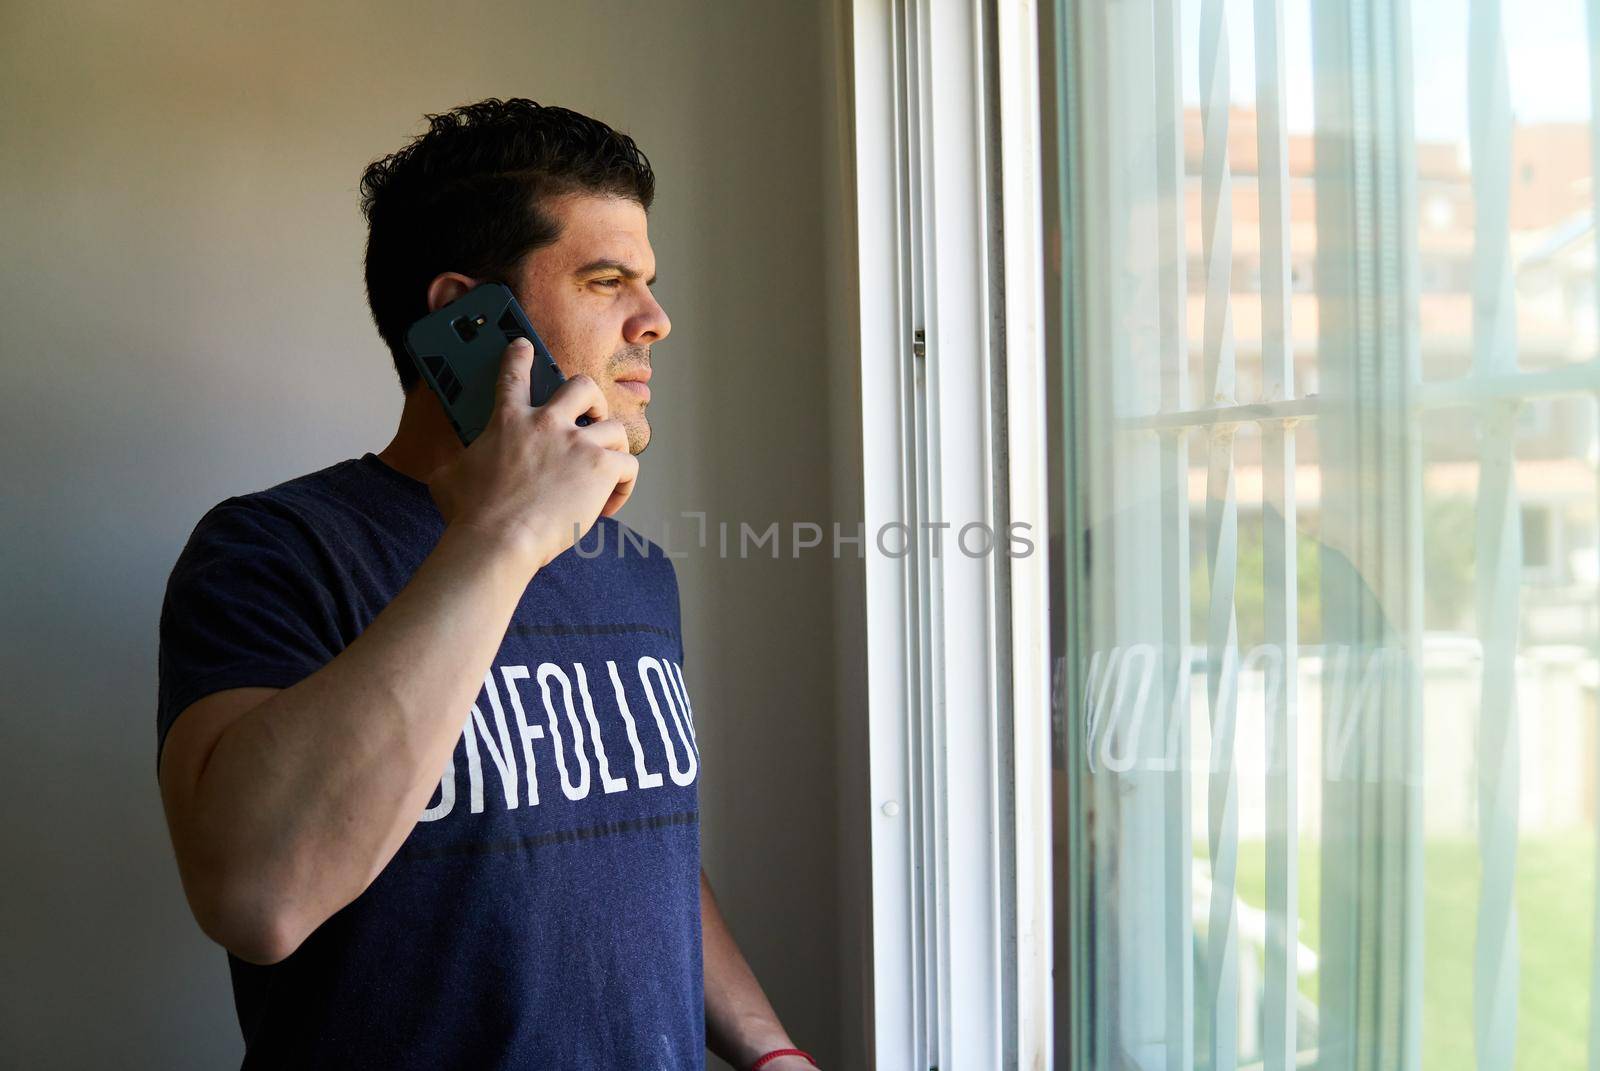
column 775, row 1053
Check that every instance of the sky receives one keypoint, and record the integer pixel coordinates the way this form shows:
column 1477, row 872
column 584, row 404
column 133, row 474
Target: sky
column 1546, row 53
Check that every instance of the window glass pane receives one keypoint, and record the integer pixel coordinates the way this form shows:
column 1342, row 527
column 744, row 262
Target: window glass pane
column 1325, row 564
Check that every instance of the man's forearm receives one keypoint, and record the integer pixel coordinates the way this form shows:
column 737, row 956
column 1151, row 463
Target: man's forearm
column 307, row 797
column 740, row 1023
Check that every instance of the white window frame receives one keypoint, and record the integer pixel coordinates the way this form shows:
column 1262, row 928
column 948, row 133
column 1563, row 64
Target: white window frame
column 948, row 210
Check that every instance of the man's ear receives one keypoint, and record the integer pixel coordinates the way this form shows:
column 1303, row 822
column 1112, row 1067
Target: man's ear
column 446, row 287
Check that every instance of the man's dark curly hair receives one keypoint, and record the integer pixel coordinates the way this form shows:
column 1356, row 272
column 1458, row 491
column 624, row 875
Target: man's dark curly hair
column 467, row 196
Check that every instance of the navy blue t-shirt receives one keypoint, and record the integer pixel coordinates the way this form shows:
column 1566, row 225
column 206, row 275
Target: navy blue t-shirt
column 544, row 912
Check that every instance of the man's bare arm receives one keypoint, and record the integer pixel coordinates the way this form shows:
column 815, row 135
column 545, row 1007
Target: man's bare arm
column 741, row 1026
column 287, row 812
column 305, row 798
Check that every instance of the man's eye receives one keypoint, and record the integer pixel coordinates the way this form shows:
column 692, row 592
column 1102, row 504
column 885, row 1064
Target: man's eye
column 609, row 282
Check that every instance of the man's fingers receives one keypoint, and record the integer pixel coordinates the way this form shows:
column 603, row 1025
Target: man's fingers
column 578, row 396
column 610, row 434
column 513, row 389
column 628, row 473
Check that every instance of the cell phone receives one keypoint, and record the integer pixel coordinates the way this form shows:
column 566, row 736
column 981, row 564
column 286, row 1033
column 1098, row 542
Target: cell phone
column 458, row 348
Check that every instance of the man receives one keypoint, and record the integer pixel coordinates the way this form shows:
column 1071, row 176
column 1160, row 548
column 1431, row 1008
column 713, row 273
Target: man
column 430, row 769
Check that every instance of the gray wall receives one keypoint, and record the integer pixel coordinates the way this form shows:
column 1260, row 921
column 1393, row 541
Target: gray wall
column 181, row 297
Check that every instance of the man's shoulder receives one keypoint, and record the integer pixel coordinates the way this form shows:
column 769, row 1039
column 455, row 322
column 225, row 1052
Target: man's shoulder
column 288, row 513
column 323, row 485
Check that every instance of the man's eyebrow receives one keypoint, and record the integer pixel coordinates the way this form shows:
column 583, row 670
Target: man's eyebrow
column 606, row 264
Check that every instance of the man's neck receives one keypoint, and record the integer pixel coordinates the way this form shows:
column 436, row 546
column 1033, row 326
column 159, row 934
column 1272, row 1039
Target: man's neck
column 424, row 442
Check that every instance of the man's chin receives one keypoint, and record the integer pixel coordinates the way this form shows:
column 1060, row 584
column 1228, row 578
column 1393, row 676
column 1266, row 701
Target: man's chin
column 638, row 429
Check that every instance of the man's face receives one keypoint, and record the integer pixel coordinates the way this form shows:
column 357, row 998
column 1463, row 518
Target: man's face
column 588, row 295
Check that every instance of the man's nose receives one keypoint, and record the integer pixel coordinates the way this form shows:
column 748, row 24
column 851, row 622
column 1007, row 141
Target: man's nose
column 651, row 324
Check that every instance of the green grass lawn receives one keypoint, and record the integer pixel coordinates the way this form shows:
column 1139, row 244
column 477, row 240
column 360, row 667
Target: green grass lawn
column 1555, row 906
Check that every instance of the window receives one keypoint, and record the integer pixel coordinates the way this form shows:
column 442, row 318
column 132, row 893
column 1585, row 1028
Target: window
column 1277, row 321
column 1324, row 607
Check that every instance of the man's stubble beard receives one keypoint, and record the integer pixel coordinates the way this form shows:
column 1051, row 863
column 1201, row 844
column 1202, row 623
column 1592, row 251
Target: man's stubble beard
column 638, row 430
column 629, row 359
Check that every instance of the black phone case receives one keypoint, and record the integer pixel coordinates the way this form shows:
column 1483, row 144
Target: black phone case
column 457, row 350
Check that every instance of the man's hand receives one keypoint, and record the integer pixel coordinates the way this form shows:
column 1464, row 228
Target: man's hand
column 534, row 478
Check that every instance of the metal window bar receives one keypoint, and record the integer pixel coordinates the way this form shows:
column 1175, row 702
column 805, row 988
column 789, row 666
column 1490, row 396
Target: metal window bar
column 1178, row 838
column 1280, row 557
column 1499, row 542
column 1221, row 991
column 1411, row 961
column 1592, row 11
